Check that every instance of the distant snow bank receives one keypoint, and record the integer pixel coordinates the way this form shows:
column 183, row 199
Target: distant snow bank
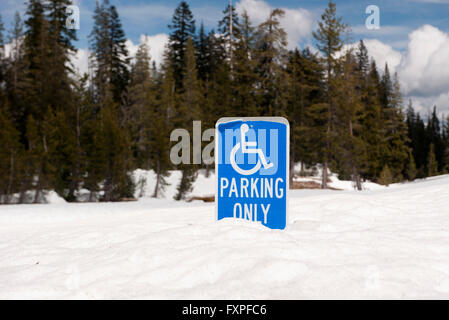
column 47, row 196
column 205, row 186
column 145, row 181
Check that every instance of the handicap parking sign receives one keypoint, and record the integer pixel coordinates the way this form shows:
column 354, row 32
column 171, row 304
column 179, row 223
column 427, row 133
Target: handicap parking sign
column 252, row 170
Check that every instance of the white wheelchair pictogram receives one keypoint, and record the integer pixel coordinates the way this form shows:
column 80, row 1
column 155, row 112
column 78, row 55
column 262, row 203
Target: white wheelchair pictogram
column 249, row 147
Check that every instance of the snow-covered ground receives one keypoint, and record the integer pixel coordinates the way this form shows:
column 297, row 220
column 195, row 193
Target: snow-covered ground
column 382, row 243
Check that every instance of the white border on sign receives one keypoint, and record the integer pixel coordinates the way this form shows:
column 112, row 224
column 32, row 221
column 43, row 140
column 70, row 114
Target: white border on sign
column 270, row 119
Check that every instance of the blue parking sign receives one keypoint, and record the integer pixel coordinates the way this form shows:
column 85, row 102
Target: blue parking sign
column 252, row 169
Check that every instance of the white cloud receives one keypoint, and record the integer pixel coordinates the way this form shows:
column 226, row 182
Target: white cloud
column 156, row 43
column 257, row 10
column 422, row 68
column 424, row 104
column 297, row 23
column 80, row 61
column 381, row 53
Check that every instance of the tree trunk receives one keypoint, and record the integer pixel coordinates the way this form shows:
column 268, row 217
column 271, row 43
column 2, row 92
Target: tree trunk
column 91, row 196
column 324, row 176
column 22, row 190
column 38, row 190
column 107, row 190
column 358, row 182
column 355, row 175
column 76, row 173
column 158, row 179
column 11, row 177
column 292, row 159
column 292, row 172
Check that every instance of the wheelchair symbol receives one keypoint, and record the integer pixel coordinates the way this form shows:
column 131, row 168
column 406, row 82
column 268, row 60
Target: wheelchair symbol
column 244, row 145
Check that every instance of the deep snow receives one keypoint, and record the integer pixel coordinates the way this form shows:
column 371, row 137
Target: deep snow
column 382, row 243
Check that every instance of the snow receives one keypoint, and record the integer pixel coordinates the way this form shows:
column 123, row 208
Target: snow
column 203, row 186
column 45, row 197
column 341, row 184
column 386, row 242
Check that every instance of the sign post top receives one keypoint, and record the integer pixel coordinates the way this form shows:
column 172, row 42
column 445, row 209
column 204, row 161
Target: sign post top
column 244, row 119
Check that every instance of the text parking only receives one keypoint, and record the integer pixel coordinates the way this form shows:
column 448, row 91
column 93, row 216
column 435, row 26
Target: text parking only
column 252, row 164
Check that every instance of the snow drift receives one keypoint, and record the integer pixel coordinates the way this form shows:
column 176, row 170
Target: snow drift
column 386, row 243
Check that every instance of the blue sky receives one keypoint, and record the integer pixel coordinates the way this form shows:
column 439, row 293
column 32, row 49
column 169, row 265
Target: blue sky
column 413, row 37
column 398, row 17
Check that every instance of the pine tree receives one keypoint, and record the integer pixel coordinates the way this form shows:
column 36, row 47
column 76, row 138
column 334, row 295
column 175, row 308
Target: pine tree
column 411, row 168
column 160, row 127
column 219, row 87
column 62, row 154
column 15, row 75
column 445, row 146
column 9, row 157
column 59, row 96
column 390, row 123
column 418, row 141
column 305, row 82
column 92, row 140
column 182, row 28
column 2, row 59
column 115, row 154
column 386, row 91
column 395, row 129
column 119, row 57
column 141, row 97
column 202, row 54
column 371, row 122
column 244, row 76
column 60, row 49
column 226, row 27
column 434, row 136
column 36, row 40
column 350, row 145
column 329, row 42
column 78, row 117
column 385, row 178
column 188, row 110
column 42, row 92
column 2, row 39
column 363, row 60
column 40, row 150
column 272, row 56
column 159, row 144
column 432, row 163
column 100, row 58
column 247, row 36
column 109, row 58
